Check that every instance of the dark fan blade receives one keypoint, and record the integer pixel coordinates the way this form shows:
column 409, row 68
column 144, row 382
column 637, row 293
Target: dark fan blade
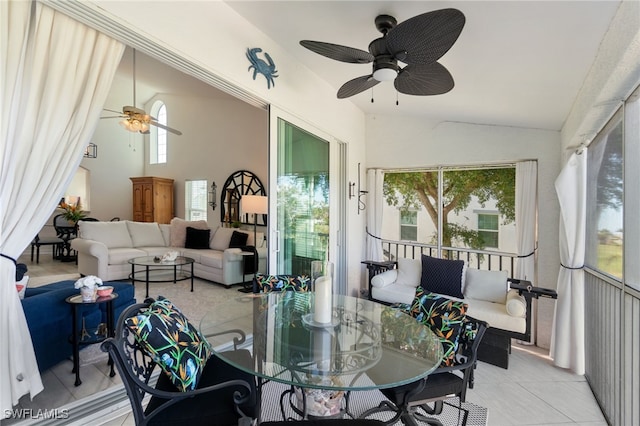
column 339, row 53
column 423, row 39
column 422, row 80
column 168, row 129
column 110, row 110
column 357, row 85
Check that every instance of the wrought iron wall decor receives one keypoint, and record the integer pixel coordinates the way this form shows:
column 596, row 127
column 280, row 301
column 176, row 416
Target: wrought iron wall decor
column 242, row 182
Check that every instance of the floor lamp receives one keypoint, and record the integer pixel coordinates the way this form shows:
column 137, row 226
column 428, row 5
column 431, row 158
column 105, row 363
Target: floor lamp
column 254, row 204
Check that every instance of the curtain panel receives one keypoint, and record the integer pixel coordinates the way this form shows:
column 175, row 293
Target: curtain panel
column 56, row 77
column 526, row 213
column 375, row 180
column 567, row 334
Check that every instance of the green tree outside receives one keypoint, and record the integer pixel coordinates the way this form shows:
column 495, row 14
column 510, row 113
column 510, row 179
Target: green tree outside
column 419, row 190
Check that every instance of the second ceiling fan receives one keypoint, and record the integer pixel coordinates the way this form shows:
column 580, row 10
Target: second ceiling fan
column 135, row 119
column 418, row 42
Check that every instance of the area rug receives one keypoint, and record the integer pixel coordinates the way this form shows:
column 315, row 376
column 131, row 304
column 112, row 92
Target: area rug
column 470, row 414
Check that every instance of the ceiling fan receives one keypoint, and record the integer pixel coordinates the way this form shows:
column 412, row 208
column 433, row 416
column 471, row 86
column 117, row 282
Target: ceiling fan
column 135, row 119
column 418, row 42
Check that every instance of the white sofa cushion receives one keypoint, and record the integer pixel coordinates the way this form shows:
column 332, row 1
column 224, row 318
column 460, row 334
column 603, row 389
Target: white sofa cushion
column 179, row 230
column 165, row 228
column 409, row 272
column 121, row 256
column 112, row 234
column 394, row 293
column 495, row 315
column 491, row 286
column 145, row 234
column 221, row 238
column 385, row 278
column 516, row 304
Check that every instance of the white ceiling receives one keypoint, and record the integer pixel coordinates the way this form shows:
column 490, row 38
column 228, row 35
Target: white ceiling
column 516, row 63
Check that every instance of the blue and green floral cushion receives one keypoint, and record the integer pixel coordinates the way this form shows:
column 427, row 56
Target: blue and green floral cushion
column 172, row 341
column 444, row 316
column 268, row 283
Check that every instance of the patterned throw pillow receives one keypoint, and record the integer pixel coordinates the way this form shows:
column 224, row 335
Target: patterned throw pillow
column 173, row 342
column 444, row 316
column 442, row 276
column 269, row 283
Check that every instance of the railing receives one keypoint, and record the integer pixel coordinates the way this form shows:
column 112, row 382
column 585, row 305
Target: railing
column 479, row 259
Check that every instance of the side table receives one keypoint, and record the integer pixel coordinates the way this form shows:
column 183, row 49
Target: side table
column 88, row 337
column 374, row 268
column 245, row 255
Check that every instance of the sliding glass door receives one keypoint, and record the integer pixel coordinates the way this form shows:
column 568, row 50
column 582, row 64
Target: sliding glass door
column 302, row 186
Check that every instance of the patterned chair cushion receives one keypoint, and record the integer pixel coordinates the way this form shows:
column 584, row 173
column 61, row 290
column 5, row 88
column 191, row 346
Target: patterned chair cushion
column 268, row 283
column 172, row 341
column 444, row 316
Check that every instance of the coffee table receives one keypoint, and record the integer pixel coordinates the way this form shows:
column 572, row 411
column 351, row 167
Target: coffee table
column 157, row 271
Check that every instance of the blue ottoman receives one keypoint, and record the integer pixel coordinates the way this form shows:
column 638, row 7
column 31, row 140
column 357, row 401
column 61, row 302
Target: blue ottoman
column 49, row 317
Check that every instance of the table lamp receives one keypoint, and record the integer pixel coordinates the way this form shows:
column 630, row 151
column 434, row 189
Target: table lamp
column 255, row 204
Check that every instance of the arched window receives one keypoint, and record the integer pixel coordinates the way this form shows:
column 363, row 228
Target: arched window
column 158, row 139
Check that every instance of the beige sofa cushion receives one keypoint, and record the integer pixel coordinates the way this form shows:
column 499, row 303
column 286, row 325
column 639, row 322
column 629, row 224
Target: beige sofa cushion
column 179, row 230
column 111, row 234
column 491, row 286
column 145, row 234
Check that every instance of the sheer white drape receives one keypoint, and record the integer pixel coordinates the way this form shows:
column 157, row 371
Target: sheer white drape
column 375, row 179
column 567, row 335
column 56, row 76
column 526, row 211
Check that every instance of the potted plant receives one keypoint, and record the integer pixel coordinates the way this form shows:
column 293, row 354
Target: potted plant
column 88, row 287
column 72, row 212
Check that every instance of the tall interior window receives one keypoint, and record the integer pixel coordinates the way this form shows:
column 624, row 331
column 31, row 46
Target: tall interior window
column 195, row 203
column 158, row 136
column 605, row 185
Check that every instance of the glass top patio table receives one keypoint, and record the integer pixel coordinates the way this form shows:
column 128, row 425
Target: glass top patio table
column 367, row 345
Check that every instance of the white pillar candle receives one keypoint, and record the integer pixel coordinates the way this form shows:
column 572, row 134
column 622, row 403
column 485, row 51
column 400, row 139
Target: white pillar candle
column 323, row 300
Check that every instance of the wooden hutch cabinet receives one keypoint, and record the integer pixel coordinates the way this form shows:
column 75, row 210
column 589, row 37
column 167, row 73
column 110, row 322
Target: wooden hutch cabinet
column 152, row 199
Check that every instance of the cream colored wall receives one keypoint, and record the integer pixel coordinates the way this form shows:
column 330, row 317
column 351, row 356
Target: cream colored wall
column 218, row 138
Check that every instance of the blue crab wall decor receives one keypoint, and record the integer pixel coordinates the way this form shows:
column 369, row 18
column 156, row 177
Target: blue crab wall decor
column 268, row 68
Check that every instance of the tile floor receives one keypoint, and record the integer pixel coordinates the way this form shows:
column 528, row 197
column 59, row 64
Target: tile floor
column 531, row 392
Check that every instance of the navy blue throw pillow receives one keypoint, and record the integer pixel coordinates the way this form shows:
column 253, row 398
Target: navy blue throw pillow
column 442, row 276
column 197, row 238
column 238, row 239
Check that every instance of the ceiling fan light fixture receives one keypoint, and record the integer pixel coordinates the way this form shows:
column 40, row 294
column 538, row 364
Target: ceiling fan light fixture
column 385, row 74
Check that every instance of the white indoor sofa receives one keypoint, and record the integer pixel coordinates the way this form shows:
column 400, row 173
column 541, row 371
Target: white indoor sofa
column 491, row 296
column 104, row 249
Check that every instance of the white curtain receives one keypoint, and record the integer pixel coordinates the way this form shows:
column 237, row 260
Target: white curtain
column 375, row 179
column 567, row 338
column 56, row 74
column 526, row 201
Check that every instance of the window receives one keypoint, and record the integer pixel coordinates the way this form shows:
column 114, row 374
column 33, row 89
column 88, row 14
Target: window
column 488, row 229
column 158, row 136
column 409, row 225
column 604, row 200
column 195, row 200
